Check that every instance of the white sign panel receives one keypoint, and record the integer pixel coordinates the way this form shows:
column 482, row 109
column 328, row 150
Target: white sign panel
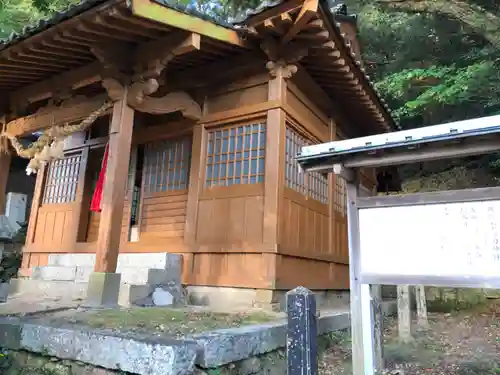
column 439, row 241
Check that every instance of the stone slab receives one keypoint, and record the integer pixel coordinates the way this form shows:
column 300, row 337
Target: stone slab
column 225, row 346
column 55, row 289
column 71, row 260
column 138, row 260
column 54, row 273
column 103, row 289
column 145, row 356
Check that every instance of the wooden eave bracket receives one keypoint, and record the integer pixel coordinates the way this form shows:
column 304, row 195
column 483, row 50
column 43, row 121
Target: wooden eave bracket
column 307, row 12
column 149, row 62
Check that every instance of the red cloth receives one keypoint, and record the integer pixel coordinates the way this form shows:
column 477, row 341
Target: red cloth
column 95, row 205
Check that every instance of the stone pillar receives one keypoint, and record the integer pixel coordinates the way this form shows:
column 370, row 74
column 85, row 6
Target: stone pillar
column 104, row 284
column 4, row 176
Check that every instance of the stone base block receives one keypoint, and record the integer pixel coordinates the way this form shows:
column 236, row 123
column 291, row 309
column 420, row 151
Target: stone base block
column 103, row 289
column 224, row 298
column 131, row 294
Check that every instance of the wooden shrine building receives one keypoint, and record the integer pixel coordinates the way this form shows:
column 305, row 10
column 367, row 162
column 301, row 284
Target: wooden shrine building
column 203, row 122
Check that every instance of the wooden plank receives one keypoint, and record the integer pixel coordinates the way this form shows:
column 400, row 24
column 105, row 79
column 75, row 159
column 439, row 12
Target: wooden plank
column 4, row 176
column 120, row 142
column 156, row 12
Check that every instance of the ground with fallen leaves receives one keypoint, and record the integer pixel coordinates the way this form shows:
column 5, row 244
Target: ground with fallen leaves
column 458, row 343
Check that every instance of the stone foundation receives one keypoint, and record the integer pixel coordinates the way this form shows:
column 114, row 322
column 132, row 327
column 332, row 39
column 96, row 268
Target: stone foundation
column 141, row 274
column 228, row 298
column 36, row 349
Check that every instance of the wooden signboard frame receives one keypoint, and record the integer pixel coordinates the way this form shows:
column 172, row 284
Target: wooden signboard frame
column 481, row 136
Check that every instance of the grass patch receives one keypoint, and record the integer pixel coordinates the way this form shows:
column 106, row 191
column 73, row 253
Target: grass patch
column 164, row 320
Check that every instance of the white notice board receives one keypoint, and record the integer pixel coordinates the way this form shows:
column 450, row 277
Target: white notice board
column 444, row 242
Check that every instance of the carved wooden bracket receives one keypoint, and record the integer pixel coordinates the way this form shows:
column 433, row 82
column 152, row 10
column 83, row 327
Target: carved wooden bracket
column 283, row 57
column 148, row 62
column 138, row 97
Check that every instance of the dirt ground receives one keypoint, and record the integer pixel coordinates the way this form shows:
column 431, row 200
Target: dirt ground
column 459, row 343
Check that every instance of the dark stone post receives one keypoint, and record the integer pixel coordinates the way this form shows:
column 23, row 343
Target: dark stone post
column 301, row 340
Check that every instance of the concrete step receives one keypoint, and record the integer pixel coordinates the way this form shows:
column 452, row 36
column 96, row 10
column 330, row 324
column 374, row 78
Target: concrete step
column 129, row 275
column 69, row 290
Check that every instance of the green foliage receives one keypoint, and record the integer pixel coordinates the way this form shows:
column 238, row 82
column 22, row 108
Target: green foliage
column 431, row 65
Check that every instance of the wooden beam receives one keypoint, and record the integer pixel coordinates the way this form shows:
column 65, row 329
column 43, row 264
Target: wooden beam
column 156, row 12
column 309, row 10
column 91, row 73
column 74, row 109
column 286, row 6
column 4, row 176
column 110, row 225
column 175, row 44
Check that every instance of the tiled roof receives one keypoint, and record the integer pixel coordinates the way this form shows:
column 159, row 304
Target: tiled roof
column 336, row 10
column 339, row 10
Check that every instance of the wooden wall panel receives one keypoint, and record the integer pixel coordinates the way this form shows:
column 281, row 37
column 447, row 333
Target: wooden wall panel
column 163, row 215
column 93, row 226
column 311, row 119
column 54, row 226
column 231, row 218
column 314, row 274
column 233, row 270
column 304, row 226
column 31, row 260
column 241, row 93
column 94, row 220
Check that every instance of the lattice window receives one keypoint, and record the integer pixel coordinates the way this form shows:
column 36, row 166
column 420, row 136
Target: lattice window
column 312, row 184
column 236, row 155
column 62, row 180
column 166, row 165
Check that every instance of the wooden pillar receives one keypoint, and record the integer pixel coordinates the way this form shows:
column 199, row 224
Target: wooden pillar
column 4, row 176
column 275, row 157
column 104, row 284
column 196, row 181
column 113, row 196
column 35, row 203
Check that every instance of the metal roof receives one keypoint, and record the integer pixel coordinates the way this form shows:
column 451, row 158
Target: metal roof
column 371, row 148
